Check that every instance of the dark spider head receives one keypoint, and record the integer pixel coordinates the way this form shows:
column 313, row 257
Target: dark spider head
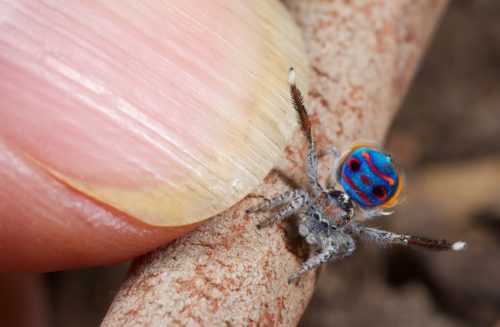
column 343, row 200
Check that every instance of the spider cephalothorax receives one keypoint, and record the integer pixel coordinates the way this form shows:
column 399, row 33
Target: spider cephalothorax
column 370, row 180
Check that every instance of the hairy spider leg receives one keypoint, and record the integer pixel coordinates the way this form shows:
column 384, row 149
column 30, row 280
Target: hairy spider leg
column 331, row 151
column 382, row 237
column 336, row 156
column 305, row 123
column 274, row 202
column 330, row 253
column 299, row 198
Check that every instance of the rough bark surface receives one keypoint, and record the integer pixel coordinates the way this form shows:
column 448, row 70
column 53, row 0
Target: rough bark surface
column 362, row 57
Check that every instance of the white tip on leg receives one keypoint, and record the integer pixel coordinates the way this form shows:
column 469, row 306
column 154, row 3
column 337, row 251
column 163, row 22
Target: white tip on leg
column 459, row 246
column 291, row 76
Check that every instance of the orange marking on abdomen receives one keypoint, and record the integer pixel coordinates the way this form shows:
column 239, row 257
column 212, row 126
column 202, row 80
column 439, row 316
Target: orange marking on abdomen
column 374, row 169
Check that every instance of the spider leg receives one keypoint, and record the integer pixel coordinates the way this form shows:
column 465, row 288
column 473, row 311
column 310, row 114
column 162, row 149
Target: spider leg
column 280, row 199
column 311, row 230
column 382, row 237
column 332, row 178
column 305, row 123
column 300, row 197
column 332, row 150
column 338, row 249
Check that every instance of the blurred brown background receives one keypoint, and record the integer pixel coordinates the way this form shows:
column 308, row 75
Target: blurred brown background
column 447, row 138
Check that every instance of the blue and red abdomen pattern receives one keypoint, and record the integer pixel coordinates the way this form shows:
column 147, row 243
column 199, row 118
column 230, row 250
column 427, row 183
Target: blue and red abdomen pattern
column 370, row 177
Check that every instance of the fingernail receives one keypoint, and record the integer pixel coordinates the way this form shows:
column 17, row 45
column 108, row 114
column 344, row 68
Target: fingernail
column 169, row 112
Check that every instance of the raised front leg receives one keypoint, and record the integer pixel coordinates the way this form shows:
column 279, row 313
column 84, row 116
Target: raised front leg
column 382, row 237
column 305, row 123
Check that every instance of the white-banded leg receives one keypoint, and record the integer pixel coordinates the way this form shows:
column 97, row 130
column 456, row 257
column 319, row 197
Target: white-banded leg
column 288, row 210
column 274, row 202
column 382, row 237
column 299, row 198
column 335, row 251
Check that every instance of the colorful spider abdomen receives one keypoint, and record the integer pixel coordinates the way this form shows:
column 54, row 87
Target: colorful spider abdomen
column 370, row 177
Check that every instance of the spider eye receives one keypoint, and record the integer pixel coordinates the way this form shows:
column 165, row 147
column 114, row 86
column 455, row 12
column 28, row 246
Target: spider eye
column 379, row 192
column 354, row 164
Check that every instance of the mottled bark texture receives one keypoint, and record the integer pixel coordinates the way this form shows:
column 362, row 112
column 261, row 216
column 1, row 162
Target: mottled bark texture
column 362, row 57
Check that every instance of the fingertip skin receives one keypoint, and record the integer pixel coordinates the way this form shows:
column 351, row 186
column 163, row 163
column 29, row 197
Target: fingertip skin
column 125, row 124
column 168, row 111
column 46, row 225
